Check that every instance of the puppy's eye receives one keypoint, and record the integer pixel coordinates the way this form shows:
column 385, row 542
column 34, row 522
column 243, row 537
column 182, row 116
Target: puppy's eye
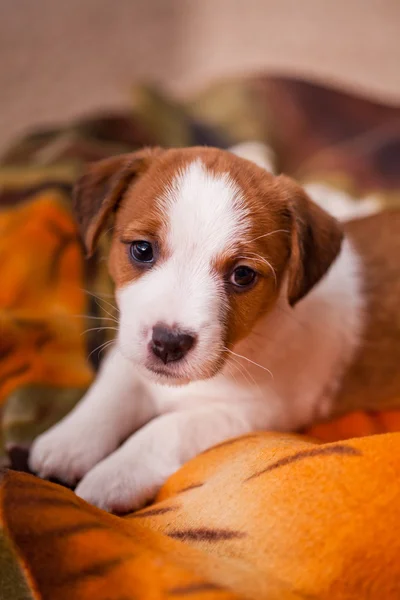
column 243, row 276
column 142, row 251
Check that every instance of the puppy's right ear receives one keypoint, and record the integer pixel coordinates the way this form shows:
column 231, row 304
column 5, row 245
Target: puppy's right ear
column 316, row 240
column 101, row 187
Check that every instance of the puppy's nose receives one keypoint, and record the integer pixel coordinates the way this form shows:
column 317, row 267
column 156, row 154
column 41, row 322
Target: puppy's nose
column 170, row 344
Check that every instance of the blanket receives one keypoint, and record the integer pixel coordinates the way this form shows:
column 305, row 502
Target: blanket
column 270, row 541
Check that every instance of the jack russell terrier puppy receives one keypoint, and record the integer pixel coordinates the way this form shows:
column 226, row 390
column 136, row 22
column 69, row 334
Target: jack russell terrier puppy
column 243, row 306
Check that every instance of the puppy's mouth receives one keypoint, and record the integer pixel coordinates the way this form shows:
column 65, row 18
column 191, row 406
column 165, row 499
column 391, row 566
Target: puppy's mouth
column 183, row 372
column 169, row 374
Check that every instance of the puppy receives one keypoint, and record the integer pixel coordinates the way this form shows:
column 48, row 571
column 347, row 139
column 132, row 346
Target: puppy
column 243, row 306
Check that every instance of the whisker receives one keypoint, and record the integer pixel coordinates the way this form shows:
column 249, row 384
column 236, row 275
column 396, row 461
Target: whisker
column 249, row 360
column 98, row 295
column 98, row 329
column 265, row 261
column 96, row 318
column 97, row 299
column 108, row 230
column 101, row 299
column 268, row 234
column 231, row 366
column 101, row 347
column 245, row 371
column 240, row 368
column 105, row 346
column 105, row 310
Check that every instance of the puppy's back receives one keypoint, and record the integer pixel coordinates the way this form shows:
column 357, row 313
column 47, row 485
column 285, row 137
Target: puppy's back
column 373, row 380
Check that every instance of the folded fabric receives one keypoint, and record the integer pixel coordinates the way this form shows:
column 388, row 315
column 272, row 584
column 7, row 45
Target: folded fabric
column 266, row 517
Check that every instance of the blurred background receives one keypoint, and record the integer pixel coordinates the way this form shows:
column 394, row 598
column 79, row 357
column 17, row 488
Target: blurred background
column 62, row 59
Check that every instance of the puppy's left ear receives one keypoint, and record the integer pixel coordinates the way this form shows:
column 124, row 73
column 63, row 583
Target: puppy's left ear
column 101, row 187
column 316, row 239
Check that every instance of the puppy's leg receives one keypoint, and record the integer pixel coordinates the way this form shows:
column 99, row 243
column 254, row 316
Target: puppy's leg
column 114, row 407
column 133, row 474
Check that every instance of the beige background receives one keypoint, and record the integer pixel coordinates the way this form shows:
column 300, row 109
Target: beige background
column 59, row 59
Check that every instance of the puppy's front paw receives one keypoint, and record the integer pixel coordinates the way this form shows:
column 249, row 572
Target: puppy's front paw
column 117, row 486
column 66, row 452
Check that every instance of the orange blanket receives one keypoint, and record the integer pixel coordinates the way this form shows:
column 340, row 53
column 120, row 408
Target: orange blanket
column 267, row 516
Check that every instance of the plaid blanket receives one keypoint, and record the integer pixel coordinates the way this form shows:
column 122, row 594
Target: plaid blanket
column 54, row 305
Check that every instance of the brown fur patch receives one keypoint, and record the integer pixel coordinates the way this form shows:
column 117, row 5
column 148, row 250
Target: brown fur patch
column 316, row 241
column 99, row 190
column 373, row 380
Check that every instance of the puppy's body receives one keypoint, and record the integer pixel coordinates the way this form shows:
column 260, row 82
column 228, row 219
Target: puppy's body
column 372, row 381
column 295, row 344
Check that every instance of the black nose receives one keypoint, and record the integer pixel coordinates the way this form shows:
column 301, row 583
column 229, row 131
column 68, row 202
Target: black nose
column 170, row 344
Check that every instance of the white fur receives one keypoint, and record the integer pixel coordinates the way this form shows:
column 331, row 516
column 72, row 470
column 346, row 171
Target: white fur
column 310, row 346
column 282, row 376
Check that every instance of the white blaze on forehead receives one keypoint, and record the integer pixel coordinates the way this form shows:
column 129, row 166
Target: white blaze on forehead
column 206, row 212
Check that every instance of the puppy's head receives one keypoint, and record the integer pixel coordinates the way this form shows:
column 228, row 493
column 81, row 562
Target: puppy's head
column 202, row 242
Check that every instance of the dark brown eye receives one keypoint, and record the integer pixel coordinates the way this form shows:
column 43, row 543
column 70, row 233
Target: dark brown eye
column 142, row 251
column 243, row 276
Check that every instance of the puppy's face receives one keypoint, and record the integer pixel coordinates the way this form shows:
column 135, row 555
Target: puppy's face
column 202, row 241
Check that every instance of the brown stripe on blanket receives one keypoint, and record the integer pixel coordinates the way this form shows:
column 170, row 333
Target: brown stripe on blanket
column 194, row 588
column 29, row 500
column 205, row 534
column 61, row 532
column 35, row 483
column 340, row 449
column 99, row 569
column 153, row 512
column 190, row 487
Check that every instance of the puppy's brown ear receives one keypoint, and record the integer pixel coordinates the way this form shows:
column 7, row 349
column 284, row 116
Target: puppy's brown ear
column 316, row 241
column 101, row 187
